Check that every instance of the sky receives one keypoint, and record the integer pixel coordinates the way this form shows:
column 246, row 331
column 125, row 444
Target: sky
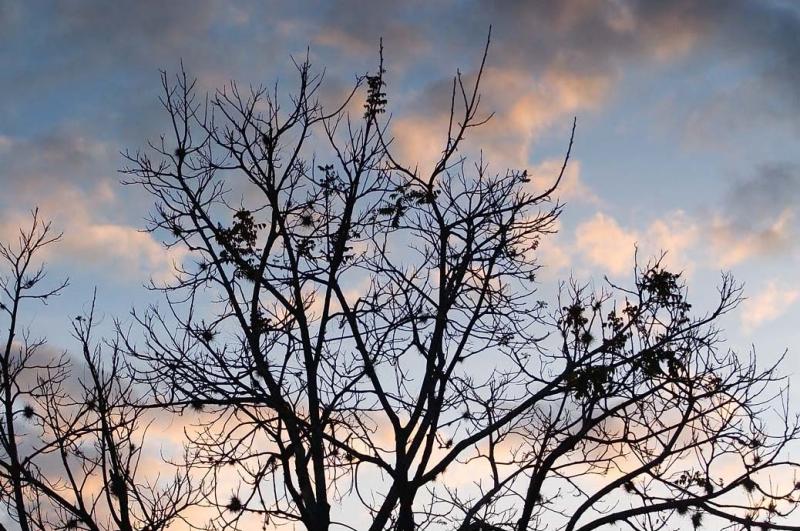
column 688, row 125
column 688, row 118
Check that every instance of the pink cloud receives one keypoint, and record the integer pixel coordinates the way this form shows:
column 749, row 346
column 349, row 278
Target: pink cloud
column 524, row 107
column 768, row 304
column 116, row 249
column 603, row 242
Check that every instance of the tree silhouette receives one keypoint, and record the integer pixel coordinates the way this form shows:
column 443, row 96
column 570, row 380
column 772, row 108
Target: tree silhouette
column 70, row 444
column 362, row 345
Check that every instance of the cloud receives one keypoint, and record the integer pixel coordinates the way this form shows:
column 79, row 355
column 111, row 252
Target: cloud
column 554, row 257
column 71, row 177
column 603, row 242
column 677, row 234
column 32, row 163
column 527, row 106
column 120, row 250
column 582, row 34
column 418, row 142
column 114, row 250
column 758, row 215
column 733, row 245
column 764, row 37
column 770, row 303
column 522, row 107
column 424, row 40
column 547, row 61
column 757, row 218
column 747, row 57
column 770, row 189
column 571, row 188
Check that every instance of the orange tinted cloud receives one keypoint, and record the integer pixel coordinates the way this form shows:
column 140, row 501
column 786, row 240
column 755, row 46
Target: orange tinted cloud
column 604, row 242
column 92, row 243
column 524, row 106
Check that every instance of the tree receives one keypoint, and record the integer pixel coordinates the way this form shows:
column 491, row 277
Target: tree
column 70, row 445
column 350, row 330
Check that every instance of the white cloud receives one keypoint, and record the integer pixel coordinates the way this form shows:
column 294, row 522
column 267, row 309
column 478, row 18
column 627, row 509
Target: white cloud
column 121, row 247
column 553, row 256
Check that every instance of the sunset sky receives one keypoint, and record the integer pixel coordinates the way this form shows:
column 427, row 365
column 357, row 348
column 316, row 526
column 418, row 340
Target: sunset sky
column 687, row 140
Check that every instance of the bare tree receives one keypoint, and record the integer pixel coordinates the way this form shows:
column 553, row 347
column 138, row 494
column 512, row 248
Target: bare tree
column 70, row 443
column 352, row 333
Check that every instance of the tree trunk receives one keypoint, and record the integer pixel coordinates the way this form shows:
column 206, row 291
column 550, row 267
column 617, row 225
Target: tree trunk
column 405, row 516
